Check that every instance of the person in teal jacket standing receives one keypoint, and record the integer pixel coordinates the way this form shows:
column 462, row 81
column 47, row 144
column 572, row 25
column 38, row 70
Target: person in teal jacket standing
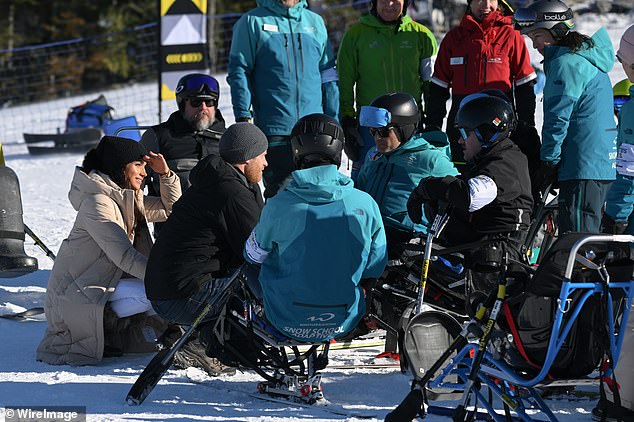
column 619, row 207
column 318, row 241
column 281, row 67
column 399, row 161
column 578, row 135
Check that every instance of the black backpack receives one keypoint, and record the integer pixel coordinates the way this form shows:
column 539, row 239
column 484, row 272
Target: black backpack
column 534, row 313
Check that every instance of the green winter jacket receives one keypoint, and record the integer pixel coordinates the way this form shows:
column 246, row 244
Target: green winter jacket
column 379, row 60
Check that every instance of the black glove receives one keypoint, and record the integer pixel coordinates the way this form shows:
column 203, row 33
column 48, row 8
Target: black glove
column 609, row 226
column 244, row 119
column 353, row 140
column 527, row 139
column 435, row 107
column 430, row 189
column 546, row 176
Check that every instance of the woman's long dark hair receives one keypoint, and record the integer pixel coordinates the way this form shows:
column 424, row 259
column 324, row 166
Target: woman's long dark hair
column 576, row 41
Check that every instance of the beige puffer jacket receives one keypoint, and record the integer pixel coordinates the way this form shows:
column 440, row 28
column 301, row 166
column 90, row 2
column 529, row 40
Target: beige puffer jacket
column 100, row 248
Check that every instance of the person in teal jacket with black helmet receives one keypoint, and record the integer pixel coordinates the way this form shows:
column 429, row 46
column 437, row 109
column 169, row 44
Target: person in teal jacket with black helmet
column 386, row 51
column 578, row 135
column 281, row 67
column 399, row 161
column 319, row 241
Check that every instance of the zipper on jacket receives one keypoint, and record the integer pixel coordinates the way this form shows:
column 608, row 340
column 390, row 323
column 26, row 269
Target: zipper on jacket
column 301, row 53
column 290, row 26
column 466, row 67
column 484, row 59
column 288, row 54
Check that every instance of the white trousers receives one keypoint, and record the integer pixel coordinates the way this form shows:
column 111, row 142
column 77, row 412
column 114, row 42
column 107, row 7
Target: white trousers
column 129, row 298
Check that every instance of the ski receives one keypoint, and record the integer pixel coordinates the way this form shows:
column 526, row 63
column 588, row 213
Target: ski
column 333, row 408
column 480, row 415
column 323, row 405
column 162, row 361
column 33, row 314
column 365, row 366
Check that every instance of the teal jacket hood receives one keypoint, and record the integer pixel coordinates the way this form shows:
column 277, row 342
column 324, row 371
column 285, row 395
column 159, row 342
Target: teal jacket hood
column 290, row 12
column 320, row 184
column 601, row 55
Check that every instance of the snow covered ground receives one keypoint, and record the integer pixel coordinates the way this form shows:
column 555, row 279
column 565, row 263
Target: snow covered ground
column 102, row 389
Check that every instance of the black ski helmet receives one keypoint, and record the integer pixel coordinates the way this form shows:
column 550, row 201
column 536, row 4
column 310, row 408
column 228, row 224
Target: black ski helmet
column 552, row 15
column 316, row 138
column 403, row 13
column 196, row 85
column 404, row 113
column 491, row 117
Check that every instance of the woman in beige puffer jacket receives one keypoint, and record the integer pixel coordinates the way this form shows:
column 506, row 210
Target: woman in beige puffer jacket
column 109, row 240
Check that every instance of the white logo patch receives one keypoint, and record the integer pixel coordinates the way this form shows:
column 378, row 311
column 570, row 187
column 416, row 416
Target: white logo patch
column 456, row 61
column 253, row 249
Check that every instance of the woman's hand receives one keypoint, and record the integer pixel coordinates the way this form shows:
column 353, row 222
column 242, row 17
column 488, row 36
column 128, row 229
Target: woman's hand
column 157, row 163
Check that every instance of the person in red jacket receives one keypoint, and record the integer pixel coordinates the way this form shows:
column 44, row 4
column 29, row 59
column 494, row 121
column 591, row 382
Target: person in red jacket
column 484, row 52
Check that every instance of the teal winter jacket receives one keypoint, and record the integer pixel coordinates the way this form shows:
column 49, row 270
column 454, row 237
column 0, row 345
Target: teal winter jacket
column 281, row 66
column 391, row 177
column 315, row 241
column 579, row 132
column 620, row 201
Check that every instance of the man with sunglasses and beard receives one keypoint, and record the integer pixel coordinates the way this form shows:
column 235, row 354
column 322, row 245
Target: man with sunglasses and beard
column 192, row 132
column 400, row 159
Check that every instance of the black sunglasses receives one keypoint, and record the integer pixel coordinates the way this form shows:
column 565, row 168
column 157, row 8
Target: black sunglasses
column 197, row 102
column 383, row 132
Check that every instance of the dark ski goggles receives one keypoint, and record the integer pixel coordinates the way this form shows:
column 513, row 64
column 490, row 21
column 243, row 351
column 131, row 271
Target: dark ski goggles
column 200, row 83
column 619, row 101
column 524, row 18
column 197, row 102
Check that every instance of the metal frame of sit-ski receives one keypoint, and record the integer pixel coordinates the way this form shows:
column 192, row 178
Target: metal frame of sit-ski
column 302, row 384
column 515, row 391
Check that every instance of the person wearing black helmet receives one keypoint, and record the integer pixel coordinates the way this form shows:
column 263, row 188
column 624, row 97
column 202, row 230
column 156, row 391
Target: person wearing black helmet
column 398, row 162
column 492, row 201
column 307, row 272
column 190, row 133
column 578, row 148
column 367, row 55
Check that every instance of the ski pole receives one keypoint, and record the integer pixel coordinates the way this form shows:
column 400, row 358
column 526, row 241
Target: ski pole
column 162, row 361
column 39, row 243
column 460, row 412
column 438, row 225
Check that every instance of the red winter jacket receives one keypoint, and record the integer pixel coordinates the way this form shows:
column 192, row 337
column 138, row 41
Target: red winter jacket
column 488, row 55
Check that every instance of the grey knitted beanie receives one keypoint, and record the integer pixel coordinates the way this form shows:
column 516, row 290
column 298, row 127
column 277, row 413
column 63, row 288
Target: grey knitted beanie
column 241, row 142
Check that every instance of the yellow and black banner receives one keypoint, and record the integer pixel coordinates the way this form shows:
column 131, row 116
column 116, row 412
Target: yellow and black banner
column 183, row 42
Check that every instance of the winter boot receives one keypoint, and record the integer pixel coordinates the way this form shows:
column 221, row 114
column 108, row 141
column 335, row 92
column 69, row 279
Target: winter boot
column 192, row 354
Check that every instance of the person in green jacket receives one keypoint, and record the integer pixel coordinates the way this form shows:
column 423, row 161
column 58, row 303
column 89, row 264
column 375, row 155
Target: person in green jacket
column 399, row 161
column 386, row 51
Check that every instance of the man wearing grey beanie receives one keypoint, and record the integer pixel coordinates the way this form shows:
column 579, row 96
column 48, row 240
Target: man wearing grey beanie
column 202, row 240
